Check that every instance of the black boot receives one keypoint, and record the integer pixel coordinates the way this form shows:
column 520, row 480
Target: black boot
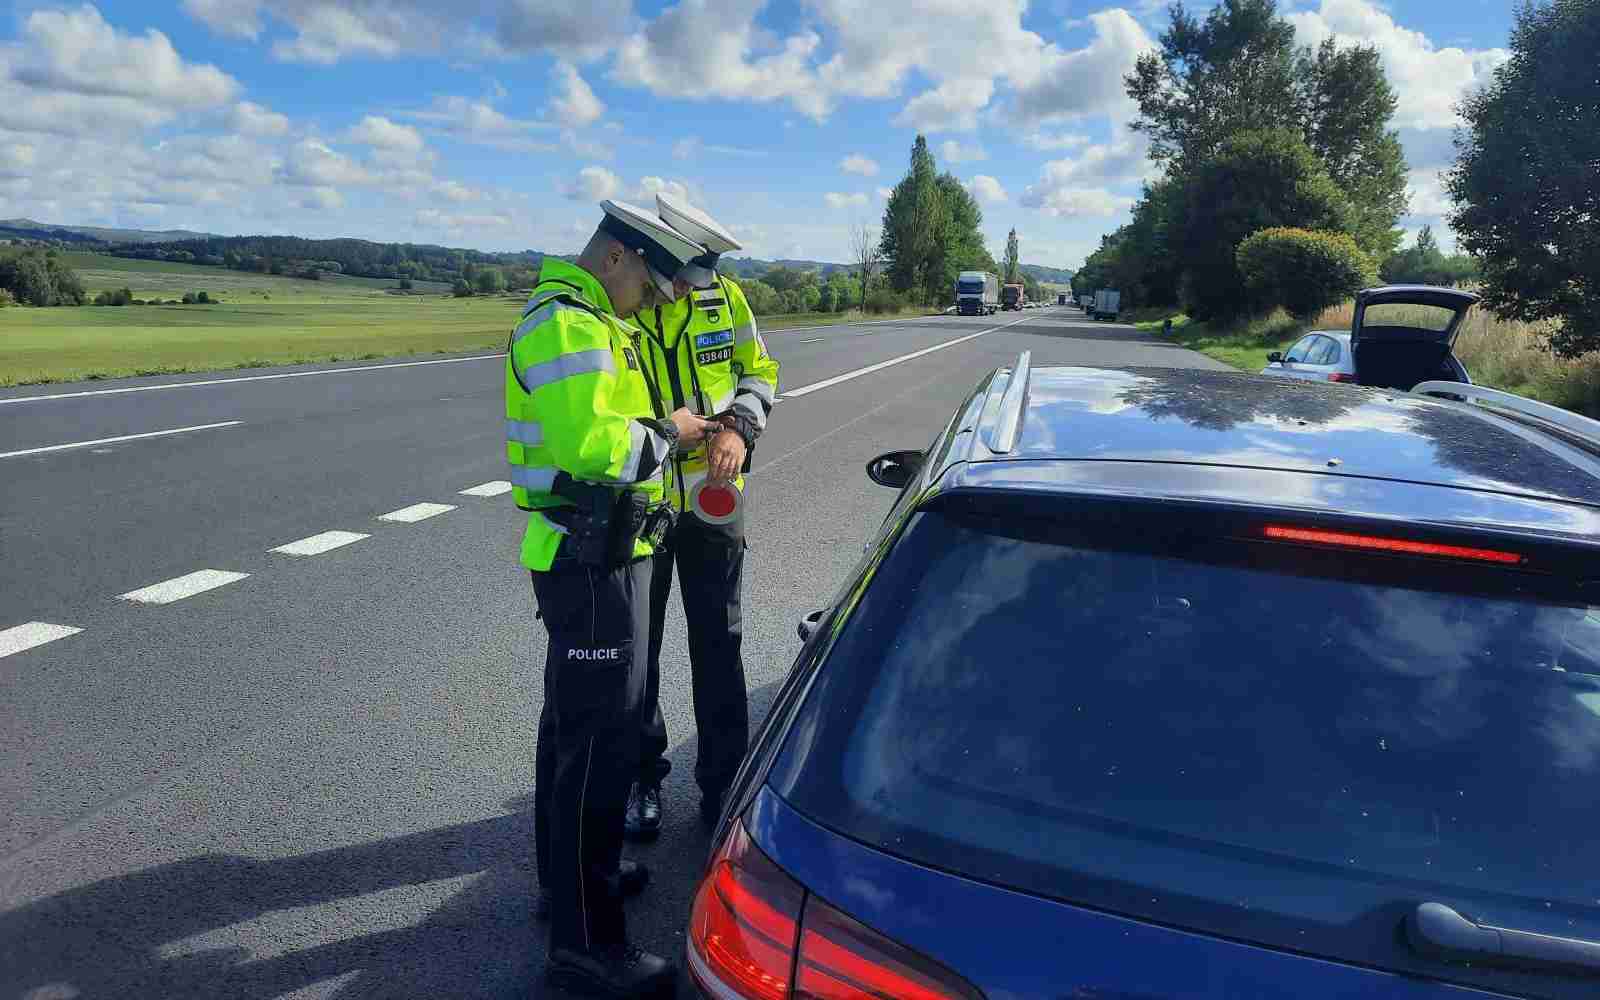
column 642, row 821
column 620, row 971
column 710, row 810
column 630, row 880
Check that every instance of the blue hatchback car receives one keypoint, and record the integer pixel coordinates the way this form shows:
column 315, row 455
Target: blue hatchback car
column 1162, row 684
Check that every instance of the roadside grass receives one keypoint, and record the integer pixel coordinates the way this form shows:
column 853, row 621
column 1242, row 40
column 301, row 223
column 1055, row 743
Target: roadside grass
column 86, row 342
column 262, row 320
column 1501, row 354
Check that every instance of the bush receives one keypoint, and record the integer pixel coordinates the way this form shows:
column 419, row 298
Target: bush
column 885, row 300
column 1303, row 270
column 405, row 284
column 462, row 290
column 189, row 298
column 204, row 299
column 41, row 279
column 6, row 298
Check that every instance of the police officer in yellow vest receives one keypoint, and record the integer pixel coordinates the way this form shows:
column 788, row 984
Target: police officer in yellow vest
column 705, row 353
column 589, row 441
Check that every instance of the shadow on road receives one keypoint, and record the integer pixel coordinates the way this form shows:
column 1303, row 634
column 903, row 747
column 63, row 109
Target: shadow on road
column 121, row 937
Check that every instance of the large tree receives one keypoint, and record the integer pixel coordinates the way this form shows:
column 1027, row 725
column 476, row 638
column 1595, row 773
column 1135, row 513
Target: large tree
column 1256, row 180
column 1013, row 257
column 1527, row 176
column 1346, row 105
column 932, row 228
column 865, row 254
column 1211, row 79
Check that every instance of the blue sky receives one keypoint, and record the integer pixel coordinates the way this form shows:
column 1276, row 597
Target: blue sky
column 499, row 124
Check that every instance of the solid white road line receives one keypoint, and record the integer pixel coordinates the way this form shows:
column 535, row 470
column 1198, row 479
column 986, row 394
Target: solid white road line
column 880, row 366
column 416, row 512
column 814, row 340
column 246, row 378
column 316, row 545
column 188, row 585
column 115, row 440
column 31, row 634
column 490, row 489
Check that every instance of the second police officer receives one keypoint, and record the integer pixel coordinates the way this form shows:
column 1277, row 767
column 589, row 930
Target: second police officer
column 705, row 353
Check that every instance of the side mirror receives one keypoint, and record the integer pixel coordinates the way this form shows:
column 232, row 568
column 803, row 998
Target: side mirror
column 808, row 625
column 1275, row 357
column 895, row 468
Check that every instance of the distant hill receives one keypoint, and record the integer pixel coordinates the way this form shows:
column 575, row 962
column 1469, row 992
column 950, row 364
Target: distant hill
column 31, row 230
column 1051, row 275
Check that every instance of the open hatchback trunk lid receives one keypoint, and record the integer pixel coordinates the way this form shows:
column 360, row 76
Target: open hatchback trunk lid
column 1403, row 334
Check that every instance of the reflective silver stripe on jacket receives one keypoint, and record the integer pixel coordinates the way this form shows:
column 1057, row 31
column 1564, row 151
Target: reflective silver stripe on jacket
column 758, row 387
column 647, row 452
column 541, row 313
column 743, row 333
column 559, row 529
column 524, row 432
column 566, row 366
column 534, row 479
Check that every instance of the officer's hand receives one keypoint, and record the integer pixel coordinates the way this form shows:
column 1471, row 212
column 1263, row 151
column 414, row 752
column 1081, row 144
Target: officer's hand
column 725, row 456
column 692, row 428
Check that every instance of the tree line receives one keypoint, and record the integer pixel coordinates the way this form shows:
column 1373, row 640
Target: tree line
column 1317, row 193
column 294, row 256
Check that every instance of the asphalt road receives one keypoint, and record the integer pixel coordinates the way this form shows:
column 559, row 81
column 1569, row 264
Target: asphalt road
column 313, row 779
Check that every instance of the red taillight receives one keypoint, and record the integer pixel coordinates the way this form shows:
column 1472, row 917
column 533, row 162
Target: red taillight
column 744, row 923
column 749, row 918
column 1341, row 377
column 1376, row 543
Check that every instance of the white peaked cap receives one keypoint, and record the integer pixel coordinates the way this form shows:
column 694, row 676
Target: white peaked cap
column 664, row 249
column 696, row 225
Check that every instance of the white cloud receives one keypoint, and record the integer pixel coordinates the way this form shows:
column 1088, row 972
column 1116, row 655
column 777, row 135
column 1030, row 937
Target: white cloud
column 987, row 189
column 434, row 218
column 955, row 152
column 381, row 133
column 321, row 199
column 479, row 123
column 837, row 200
column 952, row 106
column 884, row 193
column 253, row 119
column 16, row 159
column 703, row 49
column 593, row 183
column 1061, row 85
column 314, row 164
column 1047, row 141
column 326, row 31
column 1069, row 202
column 1426, row 190
column 649, row 187
column 72, row 73
column 457, row 192
column 575, row 106
column 855, row 163
column 77, row 52
column 1428, row 81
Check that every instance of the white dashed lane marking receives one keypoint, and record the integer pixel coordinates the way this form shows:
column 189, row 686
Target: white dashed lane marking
column 416, row 512
column 493, row 489
column 187, row 585
column 117, row 440
column 318, row 544
column 31, row 634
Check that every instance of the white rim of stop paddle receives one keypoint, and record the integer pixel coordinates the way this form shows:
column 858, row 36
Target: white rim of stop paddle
column 706, row 516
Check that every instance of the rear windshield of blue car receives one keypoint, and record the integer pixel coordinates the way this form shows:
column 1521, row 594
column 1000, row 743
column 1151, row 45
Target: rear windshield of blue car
column 1237, row 738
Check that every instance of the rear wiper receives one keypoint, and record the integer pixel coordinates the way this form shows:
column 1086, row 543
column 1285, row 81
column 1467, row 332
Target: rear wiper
column 1438, row 931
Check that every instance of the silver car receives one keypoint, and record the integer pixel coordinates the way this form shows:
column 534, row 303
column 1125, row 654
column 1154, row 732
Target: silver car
column 1321, row 356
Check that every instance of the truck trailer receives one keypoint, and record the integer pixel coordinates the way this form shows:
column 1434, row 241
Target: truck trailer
column 977, row 293
column 1107, row 304
column 1012, row 296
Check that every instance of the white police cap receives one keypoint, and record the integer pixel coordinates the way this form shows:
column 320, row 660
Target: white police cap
column 696, row 225
column 664, row 249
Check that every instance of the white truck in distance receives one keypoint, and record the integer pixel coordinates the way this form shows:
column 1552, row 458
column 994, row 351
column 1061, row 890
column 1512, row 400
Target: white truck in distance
column 977, row 293
column 1107, row 304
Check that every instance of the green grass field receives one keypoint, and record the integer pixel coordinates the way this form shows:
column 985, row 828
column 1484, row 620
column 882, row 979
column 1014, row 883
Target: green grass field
column 261, row 320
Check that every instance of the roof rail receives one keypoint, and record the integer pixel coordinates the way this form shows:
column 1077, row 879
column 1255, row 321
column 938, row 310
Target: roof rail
column 1574, row 424
column 1003, row 434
